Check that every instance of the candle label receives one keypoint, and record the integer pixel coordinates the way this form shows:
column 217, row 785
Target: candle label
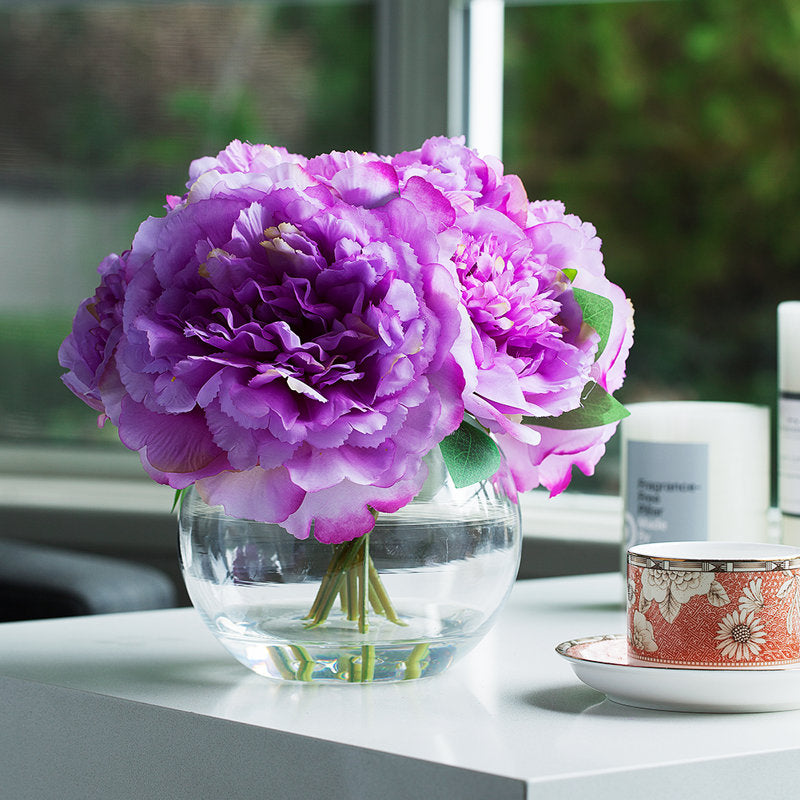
column 666, row 494
column 789, row 453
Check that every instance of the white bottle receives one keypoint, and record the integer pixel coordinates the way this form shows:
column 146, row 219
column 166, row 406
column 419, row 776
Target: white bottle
column 789, row 420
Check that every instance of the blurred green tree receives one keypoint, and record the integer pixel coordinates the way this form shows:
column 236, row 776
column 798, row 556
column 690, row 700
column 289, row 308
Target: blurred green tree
column 673, row 127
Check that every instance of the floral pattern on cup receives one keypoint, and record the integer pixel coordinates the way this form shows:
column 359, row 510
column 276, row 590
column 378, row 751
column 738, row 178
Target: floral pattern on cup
column 642, row 633
column 718, row 619
column 672, row 589
column 741, row 635
column 752, row 598
column 790, row 591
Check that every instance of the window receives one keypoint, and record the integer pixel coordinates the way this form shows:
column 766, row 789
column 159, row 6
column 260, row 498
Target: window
column 104, row 106
column 670, row 125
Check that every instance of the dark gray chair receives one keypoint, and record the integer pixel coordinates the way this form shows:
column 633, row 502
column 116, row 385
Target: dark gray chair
column 38, row 582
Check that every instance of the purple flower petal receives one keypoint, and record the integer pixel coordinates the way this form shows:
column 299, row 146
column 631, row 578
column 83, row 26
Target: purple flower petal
column 175, row 449
column 259, row 494
column 369, row 184
column 342, row 513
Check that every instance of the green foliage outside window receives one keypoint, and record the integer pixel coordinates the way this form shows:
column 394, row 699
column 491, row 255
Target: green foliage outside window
column 672, row 126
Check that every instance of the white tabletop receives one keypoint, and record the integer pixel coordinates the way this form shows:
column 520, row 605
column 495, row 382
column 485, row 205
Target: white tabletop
column 149, row 705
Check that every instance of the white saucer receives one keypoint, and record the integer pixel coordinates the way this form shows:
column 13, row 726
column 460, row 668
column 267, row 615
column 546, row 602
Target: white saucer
column 602, row 663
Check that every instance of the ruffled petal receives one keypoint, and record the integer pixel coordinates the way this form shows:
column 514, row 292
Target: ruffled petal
column 259, row 494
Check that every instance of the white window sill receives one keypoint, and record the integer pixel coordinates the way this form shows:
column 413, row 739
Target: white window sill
column 74, row 480
column 131, row 518
column 131, row 515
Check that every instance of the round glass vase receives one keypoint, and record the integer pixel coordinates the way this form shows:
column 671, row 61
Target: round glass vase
column 404, row 602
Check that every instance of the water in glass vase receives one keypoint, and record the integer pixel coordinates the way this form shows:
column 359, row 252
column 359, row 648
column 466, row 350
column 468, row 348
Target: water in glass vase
column 419, row 593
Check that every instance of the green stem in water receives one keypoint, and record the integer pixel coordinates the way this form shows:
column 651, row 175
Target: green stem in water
column 414, row 661
column 352, row 576
column 374, row 599
column 362, row 668
column 376, row 585
column 367, row 663
column 283, row 663
column 305, row 666
column 330, row 575
column 345, row 556
column 363, row 588
column 352, row 593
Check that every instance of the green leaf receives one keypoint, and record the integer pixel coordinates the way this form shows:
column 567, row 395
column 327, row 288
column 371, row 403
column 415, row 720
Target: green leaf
column 470, row 455
column 598, row 312
column 178, row 499
column 570, row 273
column 597, row 408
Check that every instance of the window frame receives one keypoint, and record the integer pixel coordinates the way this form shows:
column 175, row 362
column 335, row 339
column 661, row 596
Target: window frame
column 462, row 72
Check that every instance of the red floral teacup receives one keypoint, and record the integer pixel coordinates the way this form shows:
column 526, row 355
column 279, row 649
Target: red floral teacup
column 714, row 604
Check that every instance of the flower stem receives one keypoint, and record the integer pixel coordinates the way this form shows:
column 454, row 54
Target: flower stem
column 296, row 664
column 345, row 556
column 367, row 663
column 351, row 575
column 374, row 599
column 355, row 669
column 414, row 661
column 376, row 585
column 352, row 593
column 282, row 663
column 305, row 666
column 329, row 577
column 363, row 590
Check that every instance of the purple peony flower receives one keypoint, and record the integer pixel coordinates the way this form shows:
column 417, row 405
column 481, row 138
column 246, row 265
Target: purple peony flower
column 295, row 334
column 244, row 157
column 574, row 244
column 567, row 243
column 288, row 352
column 518, row 263
column 531, row 354
column 241, row 158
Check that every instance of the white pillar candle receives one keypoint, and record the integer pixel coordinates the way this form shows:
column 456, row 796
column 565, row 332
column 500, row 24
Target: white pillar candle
column 695, row 471
column 789, row 420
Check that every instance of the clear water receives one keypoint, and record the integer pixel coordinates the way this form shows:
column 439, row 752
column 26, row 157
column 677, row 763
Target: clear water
column 275, row 640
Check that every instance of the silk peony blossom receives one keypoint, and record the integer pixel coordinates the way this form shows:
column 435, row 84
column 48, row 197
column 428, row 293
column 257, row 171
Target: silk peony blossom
column 295, row 334
column 466, row 179
column 534, row 355
column 89, row 350
column 288, row 352
column 519, row 263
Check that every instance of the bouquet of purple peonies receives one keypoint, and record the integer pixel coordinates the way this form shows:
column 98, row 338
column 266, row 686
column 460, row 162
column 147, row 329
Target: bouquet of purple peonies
column 295, row 334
